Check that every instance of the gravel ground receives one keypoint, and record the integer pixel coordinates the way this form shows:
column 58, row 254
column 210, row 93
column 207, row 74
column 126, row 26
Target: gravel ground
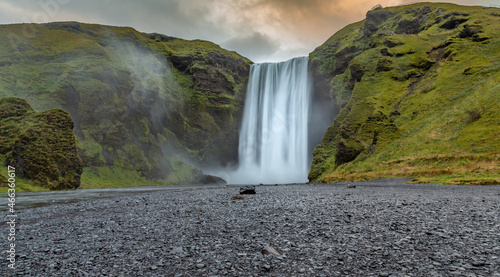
column 378, row 228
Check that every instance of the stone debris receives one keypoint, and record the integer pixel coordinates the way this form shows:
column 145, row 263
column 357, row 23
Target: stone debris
column 238, row 197
column 384, row 229
column 269, row 250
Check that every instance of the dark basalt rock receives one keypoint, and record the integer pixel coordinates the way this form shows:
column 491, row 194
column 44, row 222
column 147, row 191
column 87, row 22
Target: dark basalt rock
column 347, row 152
column 408, row 27
column 414, row 26
column 182, row 63
column 385, row 52
column 456, row 14
column 160, row 37
column 384, row 64
column 391, row 43
column 357, row 72
column 453, row 23
column 73, row 27
column 210, row 179
column 374, row 19
column 472, row 31
column 247, row 190
column 212, row 81
column 344, row 57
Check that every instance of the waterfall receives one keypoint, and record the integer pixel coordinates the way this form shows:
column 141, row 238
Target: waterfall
column 273, row 146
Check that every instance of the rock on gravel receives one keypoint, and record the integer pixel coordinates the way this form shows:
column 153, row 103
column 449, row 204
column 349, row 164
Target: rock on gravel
column 382, row 228
column 247, row 190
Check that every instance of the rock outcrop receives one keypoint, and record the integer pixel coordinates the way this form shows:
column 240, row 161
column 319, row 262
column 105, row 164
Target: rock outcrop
column 40, row 146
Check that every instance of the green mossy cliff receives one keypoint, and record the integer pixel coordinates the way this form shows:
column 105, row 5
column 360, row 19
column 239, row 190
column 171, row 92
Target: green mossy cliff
column 417, row 88
column 40, row 146
column 143, row 105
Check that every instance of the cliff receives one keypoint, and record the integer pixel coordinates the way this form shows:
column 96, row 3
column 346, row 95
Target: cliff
column 417, row 89
column 144, row 106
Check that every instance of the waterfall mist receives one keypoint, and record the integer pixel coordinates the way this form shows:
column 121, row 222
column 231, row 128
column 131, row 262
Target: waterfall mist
column 273, row 144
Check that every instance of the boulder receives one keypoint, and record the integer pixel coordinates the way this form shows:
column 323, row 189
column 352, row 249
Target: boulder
column 40, row 145
column 209, row 179
column 247, row 190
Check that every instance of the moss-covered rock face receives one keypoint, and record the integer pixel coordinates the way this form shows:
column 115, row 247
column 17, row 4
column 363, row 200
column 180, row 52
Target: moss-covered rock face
column 411, row 83
column 40, row 145
column 140, row 102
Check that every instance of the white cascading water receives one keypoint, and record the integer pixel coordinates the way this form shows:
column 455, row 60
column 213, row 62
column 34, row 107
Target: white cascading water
column 273, row 137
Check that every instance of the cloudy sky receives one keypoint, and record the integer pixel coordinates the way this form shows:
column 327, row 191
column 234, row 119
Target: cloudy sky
column 262, row 30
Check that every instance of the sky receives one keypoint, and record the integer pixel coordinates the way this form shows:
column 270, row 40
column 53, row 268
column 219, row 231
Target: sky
column 261, row 30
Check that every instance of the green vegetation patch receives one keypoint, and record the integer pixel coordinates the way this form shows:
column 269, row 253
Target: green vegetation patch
column 107, row 177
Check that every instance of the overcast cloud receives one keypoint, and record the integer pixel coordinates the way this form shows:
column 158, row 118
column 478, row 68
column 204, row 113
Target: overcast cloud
column 262, row 30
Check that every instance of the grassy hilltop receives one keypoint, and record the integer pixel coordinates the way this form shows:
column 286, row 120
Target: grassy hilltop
column 418, row 91
column 147, row 108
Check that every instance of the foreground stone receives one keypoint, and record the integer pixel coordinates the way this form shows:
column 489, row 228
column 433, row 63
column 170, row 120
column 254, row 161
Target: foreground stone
column 379, row 229
column 247, row 190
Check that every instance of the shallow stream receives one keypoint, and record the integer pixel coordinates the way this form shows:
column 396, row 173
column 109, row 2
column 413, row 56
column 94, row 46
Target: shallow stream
column 26, row 200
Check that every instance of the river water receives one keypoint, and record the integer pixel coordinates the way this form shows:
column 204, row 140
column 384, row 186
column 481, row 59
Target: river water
column 24, row 200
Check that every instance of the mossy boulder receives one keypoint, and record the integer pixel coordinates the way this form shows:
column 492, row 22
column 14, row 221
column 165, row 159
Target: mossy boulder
column 408, row 83
column 40, row 145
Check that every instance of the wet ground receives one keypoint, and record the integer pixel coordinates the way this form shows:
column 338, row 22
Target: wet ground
column 26, row 200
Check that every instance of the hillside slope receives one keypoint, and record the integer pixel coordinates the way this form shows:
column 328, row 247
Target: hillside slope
column 418, row 89
column 144, row 105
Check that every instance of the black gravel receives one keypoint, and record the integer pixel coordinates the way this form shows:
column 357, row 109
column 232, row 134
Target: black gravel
column 377, row 228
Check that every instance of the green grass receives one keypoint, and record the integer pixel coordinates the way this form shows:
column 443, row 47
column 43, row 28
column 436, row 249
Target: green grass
column 199, row 48
column 21, row 184
column 92, row 178
column 25, row 186
column 478, row 179
column 105, row 177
